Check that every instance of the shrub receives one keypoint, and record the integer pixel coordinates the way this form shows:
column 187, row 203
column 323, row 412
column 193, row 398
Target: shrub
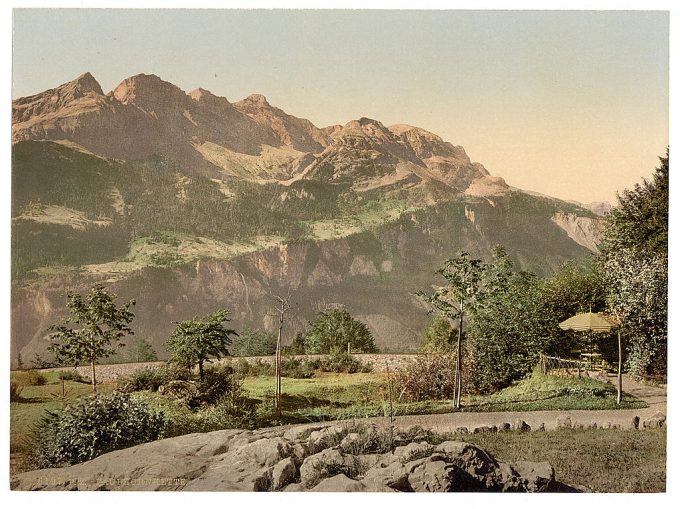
column 251, row 342
column 97, row 424
column 73, row 376
column 428, row 377
column 220, row 383
column 27, row 378
column 15, row 392
column 343, row 362
column 151, row 379
column 332, row 330
column 296, row 368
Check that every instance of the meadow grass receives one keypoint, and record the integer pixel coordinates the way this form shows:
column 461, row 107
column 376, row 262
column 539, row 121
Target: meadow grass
column 600, row 460
column 332, row 396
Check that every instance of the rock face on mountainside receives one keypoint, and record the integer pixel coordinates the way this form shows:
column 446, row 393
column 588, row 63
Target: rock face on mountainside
column 586, row 231
column 205, row 134
column 310, row 458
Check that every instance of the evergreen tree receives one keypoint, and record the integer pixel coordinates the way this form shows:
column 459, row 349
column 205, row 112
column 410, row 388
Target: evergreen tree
column 635, row 262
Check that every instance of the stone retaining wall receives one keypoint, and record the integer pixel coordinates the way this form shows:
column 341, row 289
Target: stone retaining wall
column 111, row 372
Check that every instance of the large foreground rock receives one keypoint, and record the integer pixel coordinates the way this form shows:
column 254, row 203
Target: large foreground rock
column 286, row 460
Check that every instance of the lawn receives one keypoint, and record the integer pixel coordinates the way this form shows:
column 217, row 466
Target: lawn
column 600, row 460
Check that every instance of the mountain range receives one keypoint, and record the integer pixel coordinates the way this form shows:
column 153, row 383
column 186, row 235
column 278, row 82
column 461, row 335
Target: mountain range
column 188, row 202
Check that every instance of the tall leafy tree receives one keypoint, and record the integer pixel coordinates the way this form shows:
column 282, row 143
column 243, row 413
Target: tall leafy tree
column 196, row 341
column 468, row 282
column 141, row 351
column 333, row 329
column 437, row 336
column 635, row 261
column 93, row 330
column 253, row 342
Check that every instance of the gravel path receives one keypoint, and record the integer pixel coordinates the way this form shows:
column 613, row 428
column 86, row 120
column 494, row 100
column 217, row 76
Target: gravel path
column 654, row 396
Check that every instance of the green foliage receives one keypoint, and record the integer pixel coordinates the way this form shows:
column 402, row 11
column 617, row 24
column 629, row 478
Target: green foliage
column 94, row 323
column 29, row 378
column 39, row 362
column 196, row 341
column 141, row 350
column 150, row 379
column 98, row 424
column 72, row 375
column 575, row 288
column 635, row 262
column 297, row 347
column 506, row 335
column 342, row 362
column 437, row 336
column 219, row 383
column 465, row 286
column 15, row 392
column 297, row 368
column 332, row 330
column 640, row 219
column 252, row 342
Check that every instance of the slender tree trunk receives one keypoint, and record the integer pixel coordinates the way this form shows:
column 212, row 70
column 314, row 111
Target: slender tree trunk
column 200, row 370
column 277, row 369
column 619, row 395
column 94, row 377
column 458, row 378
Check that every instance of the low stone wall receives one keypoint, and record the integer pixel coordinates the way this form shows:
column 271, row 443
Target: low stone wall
column 111, row 372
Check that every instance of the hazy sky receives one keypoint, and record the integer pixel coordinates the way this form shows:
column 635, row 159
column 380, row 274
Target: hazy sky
column 571, row 104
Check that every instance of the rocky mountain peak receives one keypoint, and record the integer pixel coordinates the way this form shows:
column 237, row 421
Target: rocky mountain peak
column 427, row 144
column 87, row 83
column 80, row 94
column 201, row 94
column 147, row 90
column 257, row 100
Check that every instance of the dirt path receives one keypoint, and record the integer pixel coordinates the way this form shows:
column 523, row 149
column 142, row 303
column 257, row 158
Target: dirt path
column 654, row 396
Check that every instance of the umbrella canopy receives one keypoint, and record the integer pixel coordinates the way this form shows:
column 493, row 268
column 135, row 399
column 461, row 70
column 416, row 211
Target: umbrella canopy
column 589, row 321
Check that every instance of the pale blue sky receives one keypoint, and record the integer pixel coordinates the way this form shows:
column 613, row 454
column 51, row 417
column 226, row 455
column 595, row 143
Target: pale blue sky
column 571, row 104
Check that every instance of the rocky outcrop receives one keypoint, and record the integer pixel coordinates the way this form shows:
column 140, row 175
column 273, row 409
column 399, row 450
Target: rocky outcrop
column 586, row 231
column 293, row 460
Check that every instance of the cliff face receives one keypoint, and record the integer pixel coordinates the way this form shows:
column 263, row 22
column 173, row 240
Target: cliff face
column 373, row 274
column 586, row 231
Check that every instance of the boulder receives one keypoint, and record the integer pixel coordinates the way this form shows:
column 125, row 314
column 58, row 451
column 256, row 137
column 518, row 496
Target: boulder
column 318, row 436
column 412, row 449
column 265, row 460
column 387, row 478
column 658, row 420
column 323, row 464
column 340, row 482
column 432, row 475
column 283, row 474
column 536, row 477
column 520, row 425
column 265, row 452
column 564, row 421
column 477, row 463
column 298, row 432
